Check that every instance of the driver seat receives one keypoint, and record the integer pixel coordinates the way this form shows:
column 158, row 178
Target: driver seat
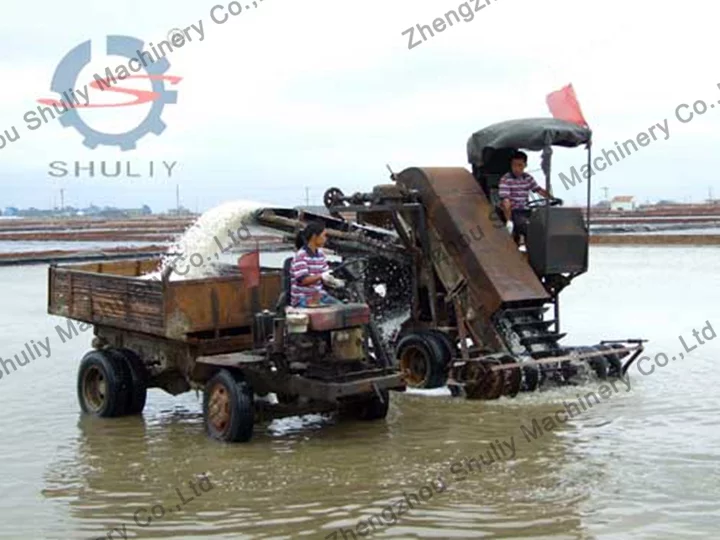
column 322, row 318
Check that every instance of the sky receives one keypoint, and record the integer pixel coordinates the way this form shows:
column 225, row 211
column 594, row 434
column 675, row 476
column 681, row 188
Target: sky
column 287, row 99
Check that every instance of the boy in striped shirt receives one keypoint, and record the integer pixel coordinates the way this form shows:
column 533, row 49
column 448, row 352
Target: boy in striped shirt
column 514, row 189
column 310, row 270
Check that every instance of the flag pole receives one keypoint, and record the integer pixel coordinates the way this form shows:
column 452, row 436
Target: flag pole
column 590, row 175
column 255, row 291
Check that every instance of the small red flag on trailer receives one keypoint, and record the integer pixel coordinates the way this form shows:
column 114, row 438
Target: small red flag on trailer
column 563, row 105
column 249, row 265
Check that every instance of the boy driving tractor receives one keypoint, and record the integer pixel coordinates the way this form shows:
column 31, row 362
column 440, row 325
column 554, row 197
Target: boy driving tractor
column 514, row 189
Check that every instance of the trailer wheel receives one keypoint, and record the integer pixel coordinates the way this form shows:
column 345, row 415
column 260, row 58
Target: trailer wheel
column 104, row 384
column 139, row 379
column 420, row 358
column 228, row 408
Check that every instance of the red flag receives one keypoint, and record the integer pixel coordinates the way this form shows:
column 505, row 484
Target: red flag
column 249, row 265
column 563, row 105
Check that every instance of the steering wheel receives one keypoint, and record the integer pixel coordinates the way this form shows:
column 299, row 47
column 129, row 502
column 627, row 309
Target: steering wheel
column 554, row 201
column 350, row 270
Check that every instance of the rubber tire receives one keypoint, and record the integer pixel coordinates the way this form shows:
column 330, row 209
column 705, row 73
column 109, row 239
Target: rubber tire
column 119, row 384
column 442, row 346
column 372, row 408
column 613, row 360
column 434, row 353
column 242, row 408
column 139, row 380
column 448, row 348
column 599, row 364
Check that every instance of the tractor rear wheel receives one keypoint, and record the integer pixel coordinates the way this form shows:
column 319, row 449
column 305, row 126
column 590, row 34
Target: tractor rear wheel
column 448, row 347
column 420, row 358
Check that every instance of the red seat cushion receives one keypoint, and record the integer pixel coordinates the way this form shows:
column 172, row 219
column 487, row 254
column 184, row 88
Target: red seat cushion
column 336, row 316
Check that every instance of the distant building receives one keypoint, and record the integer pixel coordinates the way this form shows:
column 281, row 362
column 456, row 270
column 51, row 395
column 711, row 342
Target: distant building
column 138, row 212
column 182, row 211
column 622, row 203
column 603, row 205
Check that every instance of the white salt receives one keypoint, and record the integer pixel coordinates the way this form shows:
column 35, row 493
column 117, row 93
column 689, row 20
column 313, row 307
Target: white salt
column 214, row 232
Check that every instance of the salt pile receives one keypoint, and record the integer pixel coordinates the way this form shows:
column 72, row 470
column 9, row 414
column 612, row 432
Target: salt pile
column 216, row 231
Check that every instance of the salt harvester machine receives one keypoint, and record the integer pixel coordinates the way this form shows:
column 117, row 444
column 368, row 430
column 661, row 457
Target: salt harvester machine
column 434, row 242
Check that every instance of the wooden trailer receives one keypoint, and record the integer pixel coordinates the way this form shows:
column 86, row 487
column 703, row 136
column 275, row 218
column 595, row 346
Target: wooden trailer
column 217, row 335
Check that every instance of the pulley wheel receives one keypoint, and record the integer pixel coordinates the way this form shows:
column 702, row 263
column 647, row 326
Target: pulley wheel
column 333, row 197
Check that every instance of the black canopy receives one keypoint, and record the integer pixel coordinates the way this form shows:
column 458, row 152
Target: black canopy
column 528, row 134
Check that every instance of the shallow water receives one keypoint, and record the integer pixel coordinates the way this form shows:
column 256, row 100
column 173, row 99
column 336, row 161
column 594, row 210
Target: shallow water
column 640, row 464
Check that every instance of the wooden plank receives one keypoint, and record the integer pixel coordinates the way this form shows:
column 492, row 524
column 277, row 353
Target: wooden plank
column 111, row 300
column 117, row 299
column 192, row 301
column 231, row 360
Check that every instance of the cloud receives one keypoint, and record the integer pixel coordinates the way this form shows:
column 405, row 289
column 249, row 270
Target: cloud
column 291, row 94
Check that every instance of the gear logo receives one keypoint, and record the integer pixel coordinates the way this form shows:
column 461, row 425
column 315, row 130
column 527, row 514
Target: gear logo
column 65, row 80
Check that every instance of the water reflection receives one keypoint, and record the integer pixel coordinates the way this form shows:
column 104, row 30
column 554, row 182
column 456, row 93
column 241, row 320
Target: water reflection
column 313, row 476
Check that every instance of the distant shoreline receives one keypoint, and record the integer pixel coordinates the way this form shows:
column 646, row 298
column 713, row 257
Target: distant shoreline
column 655, row 239
column 51, row 256
column 636, row 228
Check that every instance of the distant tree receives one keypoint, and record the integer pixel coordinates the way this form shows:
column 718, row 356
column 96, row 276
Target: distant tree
column 146, row 210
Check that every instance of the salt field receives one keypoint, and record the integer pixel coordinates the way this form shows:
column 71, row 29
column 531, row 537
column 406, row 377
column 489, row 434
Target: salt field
column 420, row 283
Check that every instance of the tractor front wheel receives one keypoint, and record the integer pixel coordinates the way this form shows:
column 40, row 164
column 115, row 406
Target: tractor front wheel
column 228, row 408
